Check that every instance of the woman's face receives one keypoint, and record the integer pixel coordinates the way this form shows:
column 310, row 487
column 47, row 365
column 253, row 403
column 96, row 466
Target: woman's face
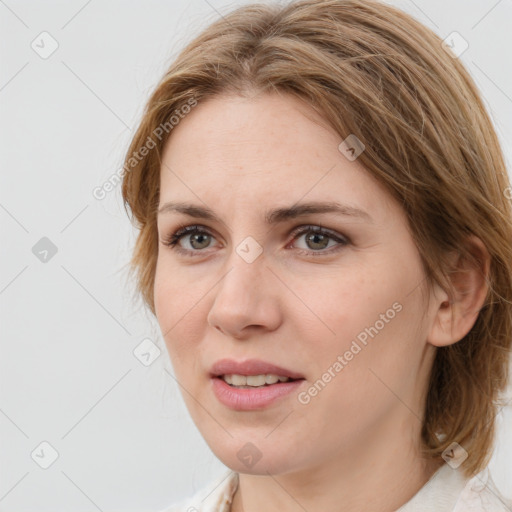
column 333, row 299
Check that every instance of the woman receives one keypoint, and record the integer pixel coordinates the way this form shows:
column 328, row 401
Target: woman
column 326, row 242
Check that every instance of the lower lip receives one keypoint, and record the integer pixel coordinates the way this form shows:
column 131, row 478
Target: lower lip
column 241, row 399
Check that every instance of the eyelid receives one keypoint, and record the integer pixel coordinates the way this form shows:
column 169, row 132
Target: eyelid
column 299, row 230
column 341, row 239
column 172, row 240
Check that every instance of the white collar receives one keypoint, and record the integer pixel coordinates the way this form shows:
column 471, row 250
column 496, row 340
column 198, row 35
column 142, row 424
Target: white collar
column 448, row 490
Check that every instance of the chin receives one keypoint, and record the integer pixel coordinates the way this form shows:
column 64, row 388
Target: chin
column 254, row 457
column 263, row 467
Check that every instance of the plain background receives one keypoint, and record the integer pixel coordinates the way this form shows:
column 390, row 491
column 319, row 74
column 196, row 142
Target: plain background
column 69, row 326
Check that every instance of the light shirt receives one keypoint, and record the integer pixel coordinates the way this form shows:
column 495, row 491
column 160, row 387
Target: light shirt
column 446, row 491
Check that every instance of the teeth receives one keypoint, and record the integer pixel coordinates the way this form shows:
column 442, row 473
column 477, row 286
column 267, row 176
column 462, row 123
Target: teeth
column 272, row 379
column 253, row 380
column 238, row 380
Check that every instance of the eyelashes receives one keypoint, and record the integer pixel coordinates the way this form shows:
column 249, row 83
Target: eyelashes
column 173, row 240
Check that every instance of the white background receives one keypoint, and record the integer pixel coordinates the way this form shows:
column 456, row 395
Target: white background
column 69, row 326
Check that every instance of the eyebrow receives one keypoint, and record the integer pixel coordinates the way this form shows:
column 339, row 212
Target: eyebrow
column 273, row 216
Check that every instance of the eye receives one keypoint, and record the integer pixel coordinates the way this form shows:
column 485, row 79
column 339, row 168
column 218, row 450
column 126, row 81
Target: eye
column 198, row 238
column 199, row 241
column 317, row 239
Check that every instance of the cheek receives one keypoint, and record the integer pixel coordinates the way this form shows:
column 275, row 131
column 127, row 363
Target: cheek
column 346, row 304
column 378, row 347
column 177, row 315
column 372, row 319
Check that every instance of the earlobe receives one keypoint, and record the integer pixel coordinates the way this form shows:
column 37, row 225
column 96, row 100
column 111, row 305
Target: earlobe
column 457, row 310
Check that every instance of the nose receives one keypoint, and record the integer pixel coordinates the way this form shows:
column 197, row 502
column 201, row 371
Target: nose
column 247, row 299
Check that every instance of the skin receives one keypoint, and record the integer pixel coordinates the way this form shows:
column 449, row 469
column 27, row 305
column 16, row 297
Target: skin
column 355, row 445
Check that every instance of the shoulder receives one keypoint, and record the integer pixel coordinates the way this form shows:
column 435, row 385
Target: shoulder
column 215, row 497
column 480, row 494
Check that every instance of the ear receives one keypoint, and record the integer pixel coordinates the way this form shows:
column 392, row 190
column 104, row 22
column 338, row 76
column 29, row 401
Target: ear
column 456, row 312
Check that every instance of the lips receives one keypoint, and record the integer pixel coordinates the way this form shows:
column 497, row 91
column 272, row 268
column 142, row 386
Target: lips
column 279, row 384
column 251, row 367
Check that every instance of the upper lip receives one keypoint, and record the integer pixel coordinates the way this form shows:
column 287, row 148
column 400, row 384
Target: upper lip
column 250, row 367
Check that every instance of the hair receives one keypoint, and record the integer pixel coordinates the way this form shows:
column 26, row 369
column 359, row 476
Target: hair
column 373, row 71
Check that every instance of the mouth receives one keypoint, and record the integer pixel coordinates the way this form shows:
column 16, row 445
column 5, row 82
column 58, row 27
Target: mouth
column 252, row 373
column 254, row 381
column 252, row 384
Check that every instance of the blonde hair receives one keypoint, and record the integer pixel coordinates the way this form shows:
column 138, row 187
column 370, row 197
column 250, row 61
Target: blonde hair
column 373, row 71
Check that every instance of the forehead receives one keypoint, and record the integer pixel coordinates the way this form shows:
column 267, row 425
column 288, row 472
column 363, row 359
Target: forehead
column 270, row 127
column 267, row 148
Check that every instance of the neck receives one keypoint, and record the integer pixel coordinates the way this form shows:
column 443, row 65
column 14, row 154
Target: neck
column 381, row 476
